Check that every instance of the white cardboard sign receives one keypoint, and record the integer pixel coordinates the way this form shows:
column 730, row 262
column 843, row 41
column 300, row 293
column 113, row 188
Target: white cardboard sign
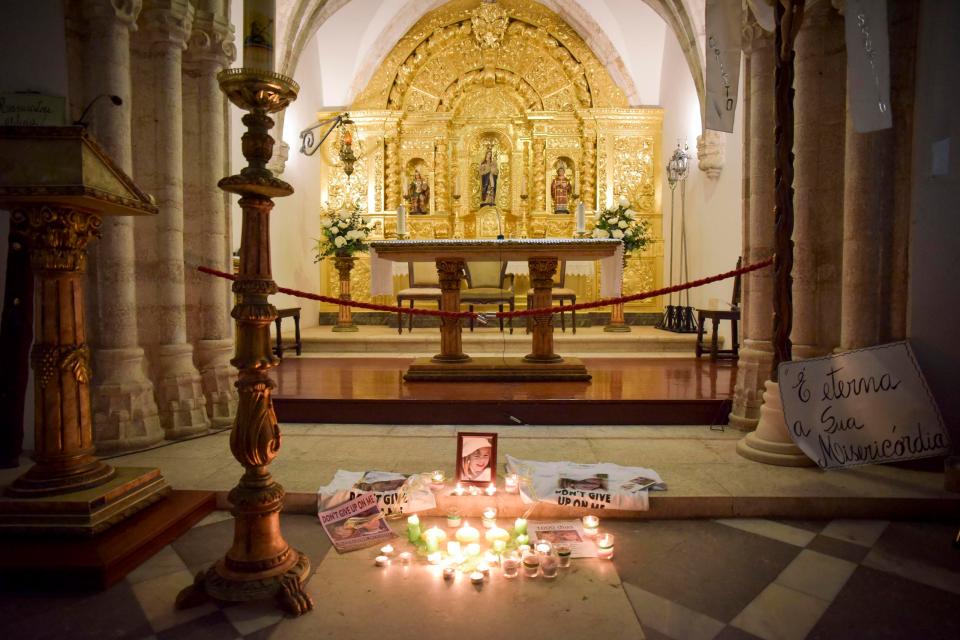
column 862, row 407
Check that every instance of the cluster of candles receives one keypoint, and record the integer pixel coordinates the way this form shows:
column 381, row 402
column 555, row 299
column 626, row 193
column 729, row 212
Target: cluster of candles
column 472, row 490
column 509, row 550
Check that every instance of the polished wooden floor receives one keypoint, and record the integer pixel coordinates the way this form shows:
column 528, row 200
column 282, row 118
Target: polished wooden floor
column 623, row 391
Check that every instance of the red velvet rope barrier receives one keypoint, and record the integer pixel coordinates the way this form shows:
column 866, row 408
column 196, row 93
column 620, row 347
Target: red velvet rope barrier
column 604, row 302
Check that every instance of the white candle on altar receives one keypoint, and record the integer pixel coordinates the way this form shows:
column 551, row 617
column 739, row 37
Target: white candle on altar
column 581, row 219
column 259, row 34
column 402, row 226
column 382, row 561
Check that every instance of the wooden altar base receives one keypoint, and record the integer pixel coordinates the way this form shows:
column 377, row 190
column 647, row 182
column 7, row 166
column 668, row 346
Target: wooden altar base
column 623, row 391
column 497, row 369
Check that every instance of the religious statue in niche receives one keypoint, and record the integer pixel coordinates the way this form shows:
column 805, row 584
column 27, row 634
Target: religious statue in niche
column 560, row 189
column 418, row 194
column 489, row 172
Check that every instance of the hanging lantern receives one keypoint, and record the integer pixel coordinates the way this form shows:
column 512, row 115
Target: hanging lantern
column 347, row 134
column 678, row 166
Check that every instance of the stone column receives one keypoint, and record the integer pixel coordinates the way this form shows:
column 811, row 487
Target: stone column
column 211, row 49
column 167, row 25
column 124, row 410
column 392, row 169
column 539, row 175
column 441, row 179
column 818, row 178
column 757, row 353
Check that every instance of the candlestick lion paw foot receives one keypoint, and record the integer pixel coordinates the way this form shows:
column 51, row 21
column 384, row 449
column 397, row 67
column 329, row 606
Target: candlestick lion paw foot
column 291, row 597
column 194, row 595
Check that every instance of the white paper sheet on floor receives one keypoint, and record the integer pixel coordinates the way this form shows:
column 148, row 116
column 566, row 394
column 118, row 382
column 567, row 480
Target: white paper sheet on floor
column 400, row 494
column 591, row 486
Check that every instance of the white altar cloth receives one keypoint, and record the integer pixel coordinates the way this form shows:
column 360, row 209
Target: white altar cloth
column 386, row 254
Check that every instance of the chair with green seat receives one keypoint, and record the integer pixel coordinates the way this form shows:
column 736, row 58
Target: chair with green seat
column 558, row 293
column 424, row 285
column 488, row 283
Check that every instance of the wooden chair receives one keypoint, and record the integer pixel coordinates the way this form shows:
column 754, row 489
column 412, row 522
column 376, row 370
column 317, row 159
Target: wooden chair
column 488, row 283
column 716, row 315
column 293, row 312
column 559, row 293
column 424, row 285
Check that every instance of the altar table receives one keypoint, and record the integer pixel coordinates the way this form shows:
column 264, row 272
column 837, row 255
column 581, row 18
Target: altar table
column 542, row 256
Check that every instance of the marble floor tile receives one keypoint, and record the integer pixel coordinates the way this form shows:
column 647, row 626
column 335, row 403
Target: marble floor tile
column 248, row 617
column 771, row 529
column 915, row 570
column 732, row 633
column 862, row 532
column 214, row 517
column 839, row 548
column 669, row 618
column 926, row 542
column 200, row 547
column 779, row 613
column 162, row 563
column 816, row 574
column 212, row 626
column 157, row 596
column 882, row 606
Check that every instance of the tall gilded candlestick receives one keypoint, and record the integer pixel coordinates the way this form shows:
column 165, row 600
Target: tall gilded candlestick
column 260, row 563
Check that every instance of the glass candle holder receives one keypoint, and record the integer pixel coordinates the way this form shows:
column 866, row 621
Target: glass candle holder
column 543, row 548
column 531, row 565
column 449, row 573
column 563, row 555
column 591, row 525
column 605, row 546
column 405, row 557
column 549, row 566
column 511, row 565
column 476, row 577
column 458, row 490
column 491, row 489
column 489, row 517
column 511, row 483
column 523, row 539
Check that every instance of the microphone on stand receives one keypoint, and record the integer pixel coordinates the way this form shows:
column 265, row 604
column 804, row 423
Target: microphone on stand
column 116, row 100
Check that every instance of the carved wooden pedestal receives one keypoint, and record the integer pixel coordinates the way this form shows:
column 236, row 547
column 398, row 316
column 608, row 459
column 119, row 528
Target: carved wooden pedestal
column 344, row 265
column 617, row 322
column 260, row 563
column 451, row 272
column 542, row 271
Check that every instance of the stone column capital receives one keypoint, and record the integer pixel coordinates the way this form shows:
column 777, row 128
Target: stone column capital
column 99, row 12
column 754, row 35
column 167, row 22
column 211, row 41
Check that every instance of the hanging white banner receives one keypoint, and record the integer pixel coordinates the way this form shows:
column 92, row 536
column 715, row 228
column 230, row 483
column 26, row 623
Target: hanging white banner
column 724, row 27
column 868, row 65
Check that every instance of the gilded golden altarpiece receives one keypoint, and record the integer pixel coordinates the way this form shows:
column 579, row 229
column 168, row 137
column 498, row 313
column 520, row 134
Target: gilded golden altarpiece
column 514, row 78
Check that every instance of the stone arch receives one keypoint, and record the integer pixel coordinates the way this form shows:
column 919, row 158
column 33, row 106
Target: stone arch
column 298, row 20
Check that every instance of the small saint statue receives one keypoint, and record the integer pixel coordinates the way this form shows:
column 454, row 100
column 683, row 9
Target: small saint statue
column 560, row 190
column 489, row 172
column 419, row 194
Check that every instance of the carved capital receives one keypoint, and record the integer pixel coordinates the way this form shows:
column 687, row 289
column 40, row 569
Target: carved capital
column 167, row 23
column 102, row 13
column 710, row 153
column 451, row 272
column 344, row 265
column 542, row 271
column 211, row 42
column 754, row 35
column 58, row 236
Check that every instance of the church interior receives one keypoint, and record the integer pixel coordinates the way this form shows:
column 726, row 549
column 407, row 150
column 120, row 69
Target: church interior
column 345, row 318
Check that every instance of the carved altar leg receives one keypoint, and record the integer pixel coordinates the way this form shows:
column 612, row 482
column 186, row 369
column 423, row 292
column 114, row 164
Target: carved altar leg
column 542, row 271
column 344, row 265
column 617, row 322
column 63, row 454
column 451, row 271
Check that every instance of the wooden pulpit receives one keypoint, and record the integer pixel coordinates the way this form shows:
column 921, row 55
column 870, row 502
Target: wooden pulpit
column 57, row 183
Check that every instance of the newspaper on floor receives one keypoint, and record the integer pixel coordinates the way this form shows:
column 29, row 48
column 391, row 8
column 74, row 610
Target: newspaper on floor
column 396, row 493
column 588, row 486
column 355, row 524
column 568, row 532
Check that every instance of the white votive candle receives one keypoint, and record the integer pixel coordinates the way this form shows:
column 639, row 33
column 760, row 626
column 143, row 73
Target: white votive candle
column 473, row 549
column 476, row 577
column 590, row 525
column 453, row 548
column 387, row 550
column 489, row 517
column 458, row 490
column 405, row 557
column 467, row 534
column 491, row 489
column 511, row 483
column 434, row 558
column 382, row 561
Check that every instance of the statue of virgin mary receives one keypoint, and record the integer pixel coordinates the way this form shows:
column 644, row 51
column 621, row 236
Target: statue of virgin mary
column 489, row 172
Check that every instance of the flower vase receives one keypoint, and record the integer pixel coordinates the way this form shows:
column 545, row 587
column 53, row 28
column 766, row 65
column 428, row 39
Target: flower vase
column 617, row 322
column 344, row 264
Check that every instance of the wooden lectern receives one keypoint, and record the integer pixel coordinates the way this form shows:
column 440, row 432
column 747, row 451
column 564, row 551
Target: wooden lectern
column 57, row 183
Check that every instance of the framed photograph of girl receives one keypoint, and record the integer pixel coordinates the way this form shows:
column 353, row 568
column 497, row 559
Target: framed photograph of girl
column 476, row 458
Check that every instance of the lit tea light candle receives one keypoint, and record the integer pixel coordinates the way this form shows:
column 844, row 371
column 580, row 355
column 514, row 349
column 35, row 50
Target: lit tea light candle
column 473, row 549
column 458, row 490
column 476, row 577
column 519, row 526
column 467, row 534
column 433, row 537
column 413, row 528
column 438, row 477
column 523, row 548
column 453, row 519
column 605, row 546
column 474, row 491
column 491, row 558
column 387, row 550
column 382, row 561
column 489, row 517
column 590, row 525
column 496, row 534
column 405, row 557
column 449, row 573
column 511, row 483
column 453, row 548
column 544, row 548
column 523, row 539
column 491, row 489
column 434, row 558
column 563, row 554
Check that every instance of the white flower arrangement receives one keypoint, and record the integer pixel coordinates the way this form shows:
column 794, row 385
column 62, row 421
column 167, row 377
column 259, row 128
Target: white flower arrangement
column 345, row 232
column 622, row 223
